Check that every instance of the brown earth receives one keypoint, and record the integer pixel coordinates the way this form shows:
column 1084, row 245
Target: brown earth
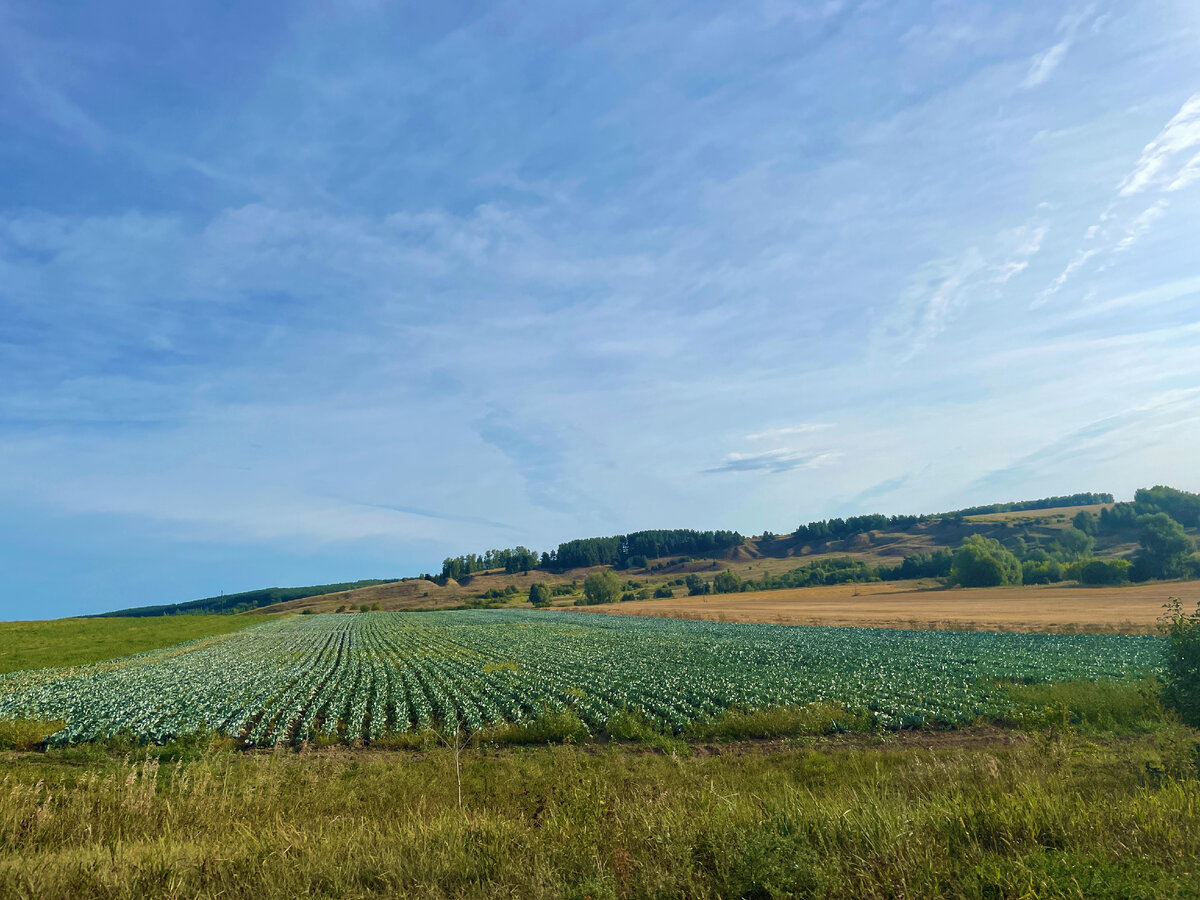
column 1133, row 609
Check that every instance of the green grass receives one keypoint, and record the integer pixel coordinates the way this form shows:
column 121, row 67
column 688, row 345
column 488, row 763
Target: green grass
column 75, row 642
column 1057, row 815
column 1093, row 707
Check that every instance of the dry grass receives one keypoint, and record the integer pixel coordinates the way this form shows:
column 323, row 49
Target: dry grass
column 1065, row 513
column 904, row 604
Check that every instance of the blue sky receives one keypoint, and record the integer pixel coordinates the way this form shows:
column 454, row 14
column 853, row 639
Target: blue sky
column 312, row 292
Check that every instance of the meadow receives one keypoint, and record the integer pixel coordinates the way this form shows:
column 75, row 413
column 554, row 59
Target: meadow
column 1057, row 812
column 77, row 642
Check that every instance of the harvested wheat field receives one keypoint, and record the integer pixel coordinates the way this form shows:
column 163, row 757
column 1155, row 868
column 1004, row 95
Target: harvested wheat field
column 1133, row 609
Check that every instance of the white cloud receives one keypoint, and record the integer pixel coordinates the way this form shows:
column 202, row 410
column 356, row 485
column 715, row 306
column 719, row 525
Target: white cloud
column 1187, row 175
column 1180, row 134
column 1155, row 166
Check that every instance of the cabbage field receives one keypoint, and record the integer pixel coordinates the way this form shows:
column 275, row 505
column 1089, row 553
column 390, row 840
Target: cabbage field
column 361, row 677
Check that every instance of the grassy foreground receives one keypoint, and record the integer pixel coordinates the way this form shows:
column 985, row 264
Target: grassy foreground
column 77, row 642
column 994, row 815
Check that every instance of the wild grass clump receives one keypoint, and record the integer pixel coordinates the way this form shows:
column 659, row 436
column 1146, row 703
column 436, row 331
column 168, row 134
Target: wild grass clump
column 779, row 722
column 1117, row 707
column 26, row 734
column 561, row 726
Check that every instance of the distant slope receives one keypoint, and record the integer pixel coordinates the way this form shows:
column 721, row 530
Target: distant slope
column 246, row 600
column 860, row 548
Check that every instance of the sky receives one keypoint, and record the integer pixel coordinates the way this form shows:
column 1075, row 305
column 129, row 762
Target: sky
column 307, row 292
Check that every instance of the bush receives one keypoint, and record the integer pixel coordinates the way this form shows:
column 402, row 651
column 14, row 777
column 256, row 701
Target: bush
column 601, row 587
column 1181, row 684
column 697, row 585
column 983, row 562
column 1075, row 543
column 663, row 591
column 1041, row 572
column 1104, row 571
column 726, row 583
column 539, row 594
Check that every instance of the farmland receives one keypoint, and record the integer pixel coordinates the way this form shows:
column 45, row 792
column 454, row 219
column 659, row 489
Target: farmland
column 364, row 677
column 1132, row 609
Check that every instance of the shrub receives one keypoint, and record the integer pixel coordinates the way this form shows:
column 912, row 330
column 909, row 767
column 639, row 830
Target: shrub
column 539, row 594
column 726, row 583
column 1181, row 684
column 1041, row 572
column 663, row 591
column 601, row 587
column 983, row 562
column 1104, row 571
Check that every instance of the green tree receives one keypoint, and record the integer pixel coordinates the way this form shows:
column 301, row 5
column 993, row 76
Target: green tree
column 697, row 585
column 1166, row 548
column 539, row 594
column 601, row 587
column 1086, row 522
column 983, row 562
column 663, row 591
column 1076, row 543
column 726, row 583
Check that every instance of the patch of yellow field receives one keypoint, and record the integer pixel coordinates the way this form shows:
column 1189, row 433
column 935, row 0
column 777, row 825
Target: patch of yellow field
column 1057, row 608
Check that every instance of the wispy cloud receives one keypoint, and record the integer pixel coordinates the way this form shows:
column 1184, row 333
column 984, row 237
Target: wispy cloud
column 1042, row 66
column 781, row 459
column 1105, row 438
column 882, row 489
column 802, row 428
column 946, row 287
column 1141, row 225
column 1118, row 228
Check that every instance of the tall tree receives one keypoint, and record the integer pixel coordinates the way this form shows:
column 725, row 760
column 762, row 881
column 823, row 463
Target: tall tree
column 1166, row 548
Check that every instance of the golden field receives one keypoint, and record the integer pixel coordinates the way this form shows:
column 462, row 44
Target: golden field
column 905, row 604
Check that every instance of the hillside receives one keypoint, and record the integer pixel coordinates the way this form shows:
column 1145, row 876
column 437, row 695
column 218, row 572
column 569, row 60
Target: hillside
column 756, row 557
column 246, row 601
column 684, row 561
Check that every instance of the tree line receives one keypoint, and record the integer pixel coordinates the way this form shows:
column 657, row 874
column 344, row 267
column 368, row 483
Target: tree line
column 838, row 529
column 512, row 560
